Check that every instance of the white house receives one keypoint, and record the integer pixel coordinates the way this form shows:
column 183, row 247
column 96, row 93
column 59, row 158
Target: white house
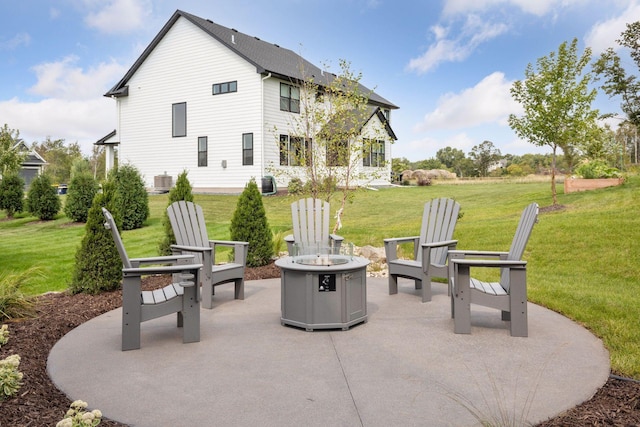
column 219, row 104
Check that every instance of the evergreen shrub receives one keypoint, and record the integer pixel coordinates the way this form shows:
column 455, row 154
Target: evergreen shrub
column 249, row 224
column 42, row 198
column 181, row 191
column 12, row 194
column 82, row 189
column 98, row 267
column 133, row 197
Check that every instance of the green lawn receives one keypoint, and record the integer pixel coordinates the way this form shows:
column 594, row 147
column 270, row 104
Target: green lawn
column 583, row 260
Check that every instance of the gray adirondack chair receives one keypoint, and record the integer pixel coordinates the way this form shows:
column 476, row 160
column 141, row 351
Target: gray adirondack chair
column 139, row 306
column 430, row 248
column 311, row 225
column 508, row 295
column 190, row 230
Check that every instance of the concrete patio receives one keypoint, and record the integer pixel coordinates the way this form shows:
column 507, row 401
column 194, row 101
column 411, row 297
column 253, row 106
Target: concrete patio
column 404, row 367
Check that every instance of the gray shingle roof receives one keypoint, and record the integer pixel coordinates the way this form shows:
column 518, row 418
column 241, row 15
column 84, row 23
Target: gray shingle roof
column 266, row 57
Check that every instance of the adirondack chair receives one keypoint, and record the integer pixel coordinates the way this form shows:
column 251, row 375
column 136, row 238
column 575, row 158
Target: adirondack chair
column 187, row 222
column 139, row 306
column 430, row 248
column 311, row 225
column 508, row 295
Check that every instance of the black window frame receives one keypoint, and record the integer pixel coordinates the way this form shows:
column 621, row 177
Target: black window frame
column 247, row 153
column 373, row 153
column 225, row 87
column 287, row 100
column 295, row 151
column 203, row 155
column 179, row 119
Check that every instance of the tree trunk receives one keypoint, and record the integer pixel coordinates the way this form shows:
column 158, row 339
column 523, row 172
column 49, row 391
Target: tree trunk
column 553, row 177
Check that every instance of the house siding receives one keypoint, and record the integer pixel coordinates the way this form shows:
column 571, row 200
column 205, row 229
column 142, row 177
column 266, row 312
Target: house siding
column 172, row 74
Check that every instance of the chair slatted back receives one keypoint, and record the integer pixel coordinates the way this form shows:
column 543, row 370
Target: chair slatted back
column 110, row 224
column 438, row 222
column 527, row 220
column 310, row 221
column 187, row 222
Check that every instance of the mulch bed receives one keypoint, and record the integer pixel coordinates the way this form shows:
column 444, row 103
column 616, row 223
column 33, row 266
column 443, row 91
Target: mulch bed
column 39, row 403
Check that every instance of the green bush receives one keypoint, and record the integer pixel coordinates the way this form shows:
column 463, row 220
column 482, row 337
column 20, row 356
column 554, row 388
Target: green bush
column 295, row 187
column 12, row 194
column 4, row 335
column 249, row 224
column 42, row 198
column 594, row 169
column 10, row 377
column 181, row 191
column 82, row 189
column 98, row 267
column 133, row 197
column 77, row 416
column 13, row 303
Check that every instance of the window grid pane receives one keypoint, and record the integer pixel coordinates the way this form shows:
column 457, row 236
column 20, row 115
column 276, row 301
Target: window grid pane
column 202, row 150
column 179, row 119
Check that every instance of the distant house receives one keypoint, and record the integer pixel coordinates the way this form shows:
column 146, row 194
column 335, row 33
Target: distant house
column 32, row 166
column 218, row 103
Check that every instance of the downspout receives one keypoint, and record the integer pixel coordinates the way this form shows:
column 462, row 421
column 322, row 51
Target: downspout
column 262, row 160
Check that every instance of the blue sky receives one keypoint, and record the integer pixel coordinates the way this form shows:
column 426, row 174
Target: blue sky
column 447, row 64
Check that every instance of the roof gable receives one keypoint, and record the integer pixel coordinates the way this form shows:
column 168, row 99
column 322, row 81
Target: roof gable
column 266, row 57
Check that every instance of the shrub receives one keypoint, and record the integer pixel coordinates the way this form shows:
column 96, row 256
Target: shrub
column 10, row 377
column 13, row 303
column 133, row 197
column 295, row 186
column 4, row 335
column 82, row 189
column 423, row 181
column 249, row 224
column 42, row 198
column 98, row 266
column 181, row 191
column 76, row 416
column 597, row 169
column 12, row 194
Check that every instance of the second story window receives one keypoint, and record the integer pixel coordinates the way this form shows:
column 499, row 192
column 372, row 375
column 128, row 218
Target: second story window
column 220, row 88
column 179, row 119
column 289, row 98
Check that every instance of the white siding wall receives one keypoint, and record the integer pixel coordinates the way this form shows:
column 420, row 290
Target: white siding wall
column 182, row 68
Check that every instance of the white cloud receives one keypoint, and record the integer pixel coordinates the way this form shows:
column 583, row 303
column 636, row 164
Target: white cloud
column 604, row 34
column 20, row 39
column 473, row 33
column 533, row 7
column 64, row 80
column 487, row 102
column 119, row 16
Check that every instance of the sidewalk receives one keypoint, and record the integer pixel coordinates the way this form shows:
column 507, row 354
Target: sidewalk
column 404, row 367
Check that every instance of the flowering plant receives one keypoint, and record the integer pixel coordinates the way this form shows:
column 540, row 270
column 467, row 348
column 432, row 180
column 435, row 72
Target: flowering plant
column 10, row 377
column 4, row 335
column 77, row 416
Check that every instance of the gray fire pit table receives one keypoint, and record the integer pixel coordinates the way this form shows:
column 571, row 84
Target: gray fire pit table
column 323, row 291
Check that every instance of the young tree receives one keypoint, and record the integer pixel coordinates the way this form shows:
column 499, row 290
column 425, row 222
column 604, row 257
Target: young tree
column 12, row 194
column 249, row 224
column 483, row 156
column 10, row 158
column 181, row 191
column 42, row 198
column 333, row 137
column 557, row 102
column 82, row 189
column 59, row 156
column 98, row 267
column 133, row 196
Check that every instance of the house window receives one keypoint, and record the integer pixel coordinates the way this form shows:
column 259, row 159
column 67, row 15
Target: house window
column 220, row 88
column 373, row 154
column 179, row 119
column 294, row 151
column 289, row 98
column 337, row 153
column 202, row 150
column 247, row 149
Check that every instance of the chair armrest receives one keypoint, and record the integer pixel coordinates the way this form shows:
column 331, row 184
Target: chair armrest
column 461, row 254
column 169, row 269
column 450, row 243
column 489, row 263
column 336, row 238
column 239, row 249
column 192, row 248
column 391, row 245
column 169, row 259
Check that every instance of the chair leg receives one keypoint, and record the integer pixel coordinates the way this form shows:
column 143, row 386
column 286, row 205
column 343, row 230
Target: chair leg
column 131, row 313
column 518, row 302
column 426, row 288
column 207, row 295
column 393, row 284
column 190, row 315
column 239, row 291
column 462, row 301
